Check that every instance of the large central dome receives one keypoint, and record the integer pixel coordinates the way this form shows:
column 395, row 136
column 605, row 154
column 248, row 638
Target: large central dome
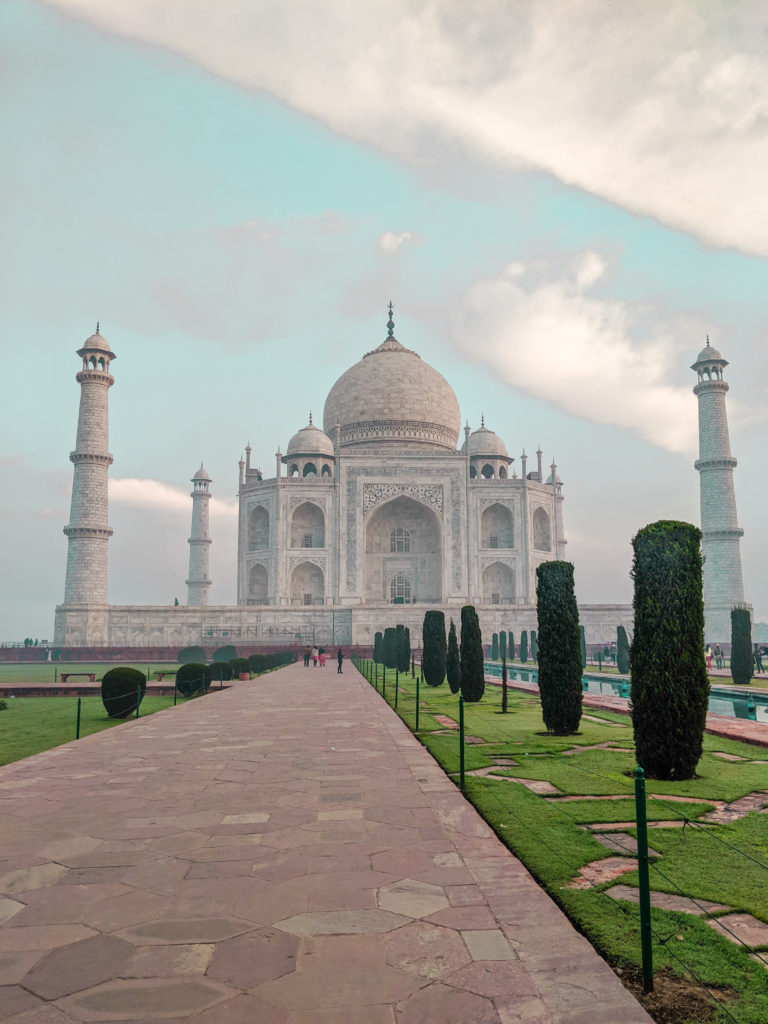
column 393, row 397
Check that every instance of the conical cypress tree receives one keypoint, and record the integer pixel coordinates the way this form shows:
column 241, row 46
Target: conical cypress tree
column 622, row 650
column 471, row 656
column 452, row 661
column 406, row 650
column 511, row 642
column 741, row 646
column 495, row 647
column 433, row 656
column 524, row 646
column 534, row 646
column 377, row 645
column 559, row 654
column 583, row 644
column 389, row 647
column 400, row 663
column 670, row 688
column 504, row 695
column 503, row 644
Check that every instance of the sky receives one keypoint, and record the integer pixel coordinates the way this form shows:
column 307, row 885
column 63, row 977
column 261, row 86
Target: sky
column 561, row 199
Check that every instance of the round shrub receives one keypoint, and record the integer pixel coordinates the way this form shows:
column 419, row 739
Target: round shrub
column 119, row 689
column 221, row 671
column 194, row 677
column 187, row 654
column 240, row 666
column 258, row 663
column 225, row 653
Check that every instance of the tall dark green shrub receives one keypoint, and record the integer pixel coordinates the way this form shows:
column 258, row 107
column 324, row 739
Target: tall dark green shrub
column 190, row 654
column 583, row 644
column 511, row 643
column 405, row 663
column 670, row 688
column 622, row 650
column 240, row 666
column 193, row 678
column 119, row 689
column 472, row 667
column 377, row 642
column 225, row 653
column 534, row 646
column 495, row 647
column 434, row 648
column 741, row 646
column 221, row 671
column 504, row 688
column 559, row 648
column 389, row 647
column 452, row 660
column 524, row 646
column 503, row 644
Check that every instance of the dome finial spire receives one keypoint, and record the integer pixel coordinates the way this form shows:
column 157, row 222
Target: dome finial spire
column 310, row 417
column 98, row 327
column 390, row 323
column 482, row 420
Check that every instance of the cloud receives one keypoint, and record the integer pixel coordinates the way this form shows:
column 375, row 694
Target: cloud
column 662, row 112
column 391, row 241
column 550, row 337
column 154, row 494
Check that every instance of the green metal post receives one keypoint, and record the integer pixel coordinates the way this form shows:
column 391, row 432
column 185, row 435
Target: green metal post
column 644, row 884
column 384, row 683
column 174, row 691
column 397, row 688
column 376, row 678
column 461, row 741
column 77, row 730
column 138, row 700
column 418, row 680
column 55, row 674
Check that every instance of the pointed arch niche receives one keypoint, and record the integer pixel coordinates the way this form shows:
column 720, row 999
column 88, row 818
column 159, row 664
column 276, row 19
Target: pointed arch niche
column 499, row 584
column 307, row 584
column 497, row 527
column 307, row 526
column 420, row 562
column 258, row 529
column 542, row 531
column 258, row 585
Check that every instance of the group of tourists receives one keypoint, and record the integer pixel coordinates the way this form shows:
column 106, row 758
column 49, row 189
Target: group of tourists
column 717, row 653
column 317, row 656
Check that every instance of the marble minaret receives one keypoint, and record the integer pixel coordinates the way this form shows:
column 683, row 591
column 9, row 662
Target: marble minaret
column 88, row 530
column 721, row 535
column 199, row 542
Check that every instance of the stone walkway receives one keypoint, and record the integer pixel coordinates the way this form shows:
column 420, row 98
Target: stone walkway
column 281, row 852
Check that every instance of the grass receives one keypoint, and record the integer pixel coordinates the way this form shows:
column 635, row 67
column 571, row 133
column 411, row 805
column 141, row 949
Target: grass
column 549, row 838
column 44, row 671
column 30, row 725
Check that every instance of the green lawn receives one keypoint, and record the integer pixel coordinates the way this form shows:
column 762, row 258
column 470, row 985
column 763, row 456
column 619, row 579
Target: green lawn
column 44, row 672
column 30, row 725
column 549, row 837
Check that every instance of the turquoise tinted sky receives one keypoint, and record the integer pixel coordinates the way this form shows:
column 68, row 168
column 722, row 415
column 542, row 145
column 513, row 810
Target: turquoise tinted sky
column 239, row 250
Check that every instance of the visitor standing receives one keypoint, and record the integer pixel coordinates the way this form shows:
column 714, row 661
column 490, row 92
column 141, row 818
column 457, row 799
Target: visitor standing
column 339, row 658
column 758, row 660
column 322, row 657
column 708, row 655
column 315, row 655
column 718, row 656
column 307, row 653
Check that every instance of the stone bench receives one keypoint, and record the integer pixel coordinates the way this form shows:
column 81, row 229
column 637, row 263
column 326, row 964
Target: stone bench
column 68, row 675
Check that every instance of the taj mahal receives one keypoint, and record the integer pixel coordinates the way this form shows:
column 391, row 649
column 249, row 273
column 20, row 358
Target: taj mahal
column 371, row 520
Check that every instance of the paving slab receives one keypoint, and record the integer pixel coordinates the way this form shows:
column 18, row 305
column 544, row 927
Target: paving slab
column 276, row 851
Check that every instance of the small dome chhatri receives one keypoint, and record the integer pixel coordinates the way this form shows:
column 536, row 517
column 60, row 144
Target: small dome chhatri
column 310, row 440
column 709, row 354
column 486, row 442
column 392, row 397
column 201, row 474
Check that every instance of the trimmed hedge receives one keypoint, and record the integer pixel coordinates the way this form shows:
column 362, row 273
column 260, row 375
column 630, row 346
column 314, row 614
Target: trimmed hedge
column 559, row 650
column 225, row 653
column 193, row 678
column 259, row 663
column 433, row 648
column 472, row 666
column 670, row 688
column 119, row 687
column 503, row 644
column 221, row 671
column 240, row 666
column 453, row 661
column 741, row 646
column 377, row 647
column 389, row 647
column 524, row 646
column 188, row 654
column 495, row 647
column 622, row 650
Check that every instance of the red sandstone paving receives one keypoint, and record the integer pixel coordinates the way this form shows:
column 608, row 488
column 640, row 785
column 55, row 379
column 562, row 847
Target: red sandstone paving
column 230, row 860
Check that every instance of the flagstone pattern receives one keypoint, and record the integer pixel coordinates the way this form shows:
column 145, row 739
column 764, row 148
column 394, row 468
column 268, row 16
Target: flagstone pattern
column 282, row 851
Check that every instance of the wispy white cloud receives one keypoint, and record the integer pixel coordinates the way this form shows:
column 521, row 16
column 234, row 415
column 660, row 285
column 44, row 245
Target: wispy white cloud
column 547, row 335
column 391, row 241
column 154, row 494
column 661, row 110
